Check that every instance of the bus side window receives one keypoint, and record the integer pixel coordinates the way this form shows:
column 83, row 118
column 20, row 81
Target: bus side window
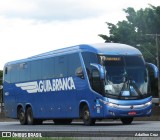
column 61, row 66
column 48, row 68
column 89, row 58
column 14, row 73
column 24, row 72
column 79, row 73
column 75, row 68
column 7, row 74
column 36, row 70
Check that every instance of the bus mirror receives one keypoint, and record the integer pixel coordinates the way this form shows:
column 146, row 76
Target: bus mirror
column 100, row 70
column 154, row 69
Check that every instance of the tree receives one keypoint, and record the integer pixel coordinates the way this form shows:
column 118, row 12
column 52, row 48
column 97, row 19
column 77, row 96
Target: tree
column 133, row 30
column 1, row 76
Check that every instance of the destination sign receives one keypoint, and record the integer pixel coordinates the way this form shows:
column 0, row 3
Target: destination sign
column 112, row 59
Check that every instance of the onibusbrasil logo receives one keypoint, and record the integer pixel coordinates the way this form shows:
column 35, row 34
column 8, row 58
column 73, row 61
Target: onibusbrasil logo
column 59, row 84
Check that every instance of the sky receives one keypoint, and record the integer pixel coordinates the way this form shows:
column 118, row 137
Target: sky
column 30, row 27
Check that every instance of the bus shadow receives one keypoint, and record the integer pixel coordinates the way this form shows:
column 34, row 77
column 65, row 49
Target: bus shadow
column 96, row 124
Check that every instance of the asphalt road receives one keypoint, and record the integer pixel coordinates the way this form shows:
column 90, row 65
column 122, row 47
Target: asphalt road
column 107, row 128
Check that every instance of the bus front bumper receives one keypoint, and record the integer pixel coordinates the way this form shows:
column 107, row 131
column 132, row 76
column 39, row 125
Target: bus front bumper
column 117, row 111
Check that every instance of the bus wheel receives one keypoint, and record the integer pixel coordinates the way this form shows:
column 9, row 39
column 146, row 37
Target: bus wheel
column 126, row 120
column 29, row 116
column 62, row 121
column 21, row 116
column 86, row 117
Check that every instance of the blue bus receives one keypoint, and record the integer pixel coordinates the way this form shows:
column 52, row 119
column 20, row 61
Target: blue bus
column 88, row 82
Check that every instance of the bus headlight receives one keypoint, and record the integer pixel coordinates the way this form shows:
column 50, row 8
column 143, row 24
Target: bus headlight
column 148, row 103
column 109, row 104
column 112, row 105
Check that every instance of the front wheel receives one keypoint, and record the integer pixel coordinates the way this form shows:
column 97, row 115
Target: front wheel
column 86, row 117
column 127, row 121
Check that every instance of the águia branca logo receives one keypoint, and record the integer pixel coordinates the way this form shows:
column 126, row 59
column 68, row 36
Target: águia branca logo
column 60, row 84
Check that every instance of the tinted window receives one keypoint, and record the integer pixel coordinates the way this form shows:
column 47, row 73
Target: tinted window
column 7, row 73
column 24, row 72
column 134, row 61
column 14, row 77
column 61, row 66
column 36, row 69
column 94, row 82
column 88, row 59
column 74, row 64
column 48, row 68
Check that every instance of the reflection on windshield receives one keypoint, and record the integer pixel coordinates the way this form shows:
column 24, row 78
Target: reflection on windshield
column 125, row 76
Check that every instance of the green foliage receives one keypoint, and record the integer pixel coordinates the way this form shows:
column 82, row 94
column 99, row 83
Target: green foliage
column 134, row 30
column 1, row 76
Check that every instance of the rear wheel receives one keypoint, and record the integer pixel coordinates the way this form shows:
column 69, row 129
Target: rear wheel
column 127, row 121
column 21, row 116
column 30, row 119
column 86, row 116
column 29, row 116
column 62, row 121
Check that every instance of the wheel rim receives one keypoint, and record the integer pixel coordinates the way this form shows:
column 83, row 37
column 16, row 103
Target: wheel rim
column 21, row 116
column 86, row 115
column 29, row 117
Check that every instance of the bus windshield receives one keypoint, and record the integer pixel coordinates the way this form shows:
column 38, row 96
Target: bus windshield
column 126, row 76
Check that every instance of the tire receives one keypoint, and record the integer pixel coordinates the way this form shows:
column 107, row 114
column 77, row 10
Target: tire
column 127, row 121
column 29, row 116
column 21, row 116
column 86, row 117
column 62, row 121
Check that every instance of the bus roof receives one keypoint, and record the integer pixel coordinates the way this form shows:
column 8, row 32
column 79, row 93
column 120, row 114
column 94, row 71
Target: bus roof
column 99, row 48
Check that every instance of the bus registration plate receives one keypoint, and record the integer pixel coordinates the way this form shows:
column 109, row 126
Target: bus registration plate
column 132, row 113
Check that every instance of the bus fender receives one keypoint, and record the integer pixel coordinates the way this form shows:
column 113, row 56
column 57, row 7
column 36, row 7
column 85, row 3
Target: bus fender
column 21, row 105
column 29, row 105
column 82, row 104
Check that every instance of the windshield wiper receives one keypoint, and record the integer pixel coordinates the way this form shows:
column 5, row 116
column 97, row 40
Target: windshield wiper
column 136, row 88
column 129, row 82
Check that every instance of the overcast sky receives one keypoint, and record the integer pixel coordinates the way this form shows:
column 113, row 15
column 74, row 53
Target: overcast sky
column 30, row 27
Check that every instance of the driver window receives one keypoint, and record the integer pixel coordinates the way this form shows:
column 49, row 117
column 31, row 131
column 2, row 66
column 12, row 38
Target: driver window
column 89, row 58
